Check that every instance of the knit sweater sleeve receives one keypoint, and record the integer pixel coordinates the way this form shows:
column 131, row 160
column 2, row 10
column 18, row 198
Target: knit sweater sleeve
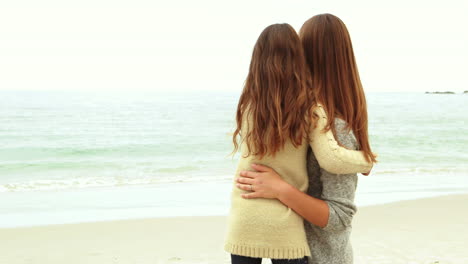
column 338, row 190
column 332, row 157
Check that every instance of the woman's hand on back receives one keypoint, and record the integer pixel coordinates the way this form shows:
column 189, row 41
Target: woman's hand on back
column 265, row 181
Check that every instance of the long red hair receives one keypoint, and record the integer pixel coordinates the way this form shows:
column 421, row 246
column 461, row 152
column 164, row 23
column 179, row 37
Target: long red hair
column 276, row 95
column 335, row 77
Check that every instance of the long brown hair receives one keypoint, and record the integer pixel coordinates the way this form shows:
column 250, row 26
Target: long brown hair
column 276, row 94
column 335, row 77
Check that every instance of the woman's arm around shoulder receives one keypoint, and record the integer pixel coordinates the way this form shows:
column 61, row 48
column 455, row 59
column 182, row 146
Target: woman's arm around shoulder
column 331, row 156
column 338, row 190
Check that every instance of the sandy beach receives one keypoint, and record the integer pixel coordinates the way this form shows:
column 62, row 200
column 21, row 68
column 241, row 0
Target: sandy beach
column 431, row 230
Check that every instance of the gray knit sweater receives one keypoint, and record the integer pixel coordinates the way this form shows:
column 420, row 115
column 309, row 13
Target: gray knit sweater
column 331, row 244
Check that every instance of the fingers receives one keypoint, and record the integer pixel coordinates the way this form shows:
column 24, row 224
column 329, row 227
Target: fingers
column 250, row 195
column 245, row 187
column 260, row 168
column 250, row 174
column 245, row 180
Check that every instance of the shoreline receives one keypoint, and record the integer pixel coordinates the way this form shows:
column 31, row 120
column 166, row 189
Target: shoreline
column 413, row 231
column 46, row 208
column 168, row 217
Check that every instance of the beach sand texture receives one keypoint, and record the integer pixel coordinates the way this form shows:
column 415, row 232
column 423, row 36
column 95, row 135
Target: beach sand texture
column 430, row 230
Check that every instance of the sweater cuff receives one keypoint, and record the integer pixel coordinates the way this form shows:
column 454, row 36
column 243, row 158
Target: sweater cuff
column 333, row 220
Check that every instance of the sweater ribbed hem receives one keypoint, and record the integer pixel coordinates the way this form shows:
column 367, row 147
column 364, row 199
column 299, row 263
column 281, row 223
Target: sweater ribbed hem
column 262, row 252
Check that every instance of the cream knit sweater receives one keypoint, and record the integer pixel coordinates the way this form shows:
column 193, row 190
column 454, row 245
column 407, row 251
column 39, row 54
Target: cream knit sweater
column 266, row 228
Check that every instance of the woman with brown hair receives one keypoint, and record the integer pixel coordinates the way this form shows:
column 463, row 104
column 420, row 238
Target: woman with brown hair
column 328, row 206
column 278, row 120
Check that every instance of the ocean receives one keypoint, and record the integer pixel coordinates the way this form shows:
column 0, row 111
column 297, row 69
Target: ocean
column 78, row 156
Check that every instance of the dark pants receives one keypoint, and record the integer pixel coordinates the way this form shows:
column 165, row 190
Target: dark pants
column 236, row 259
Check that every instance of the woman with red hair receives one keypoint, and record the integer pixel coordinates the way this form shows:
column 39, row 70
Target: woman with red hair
column 278, row 119
column 328, row 206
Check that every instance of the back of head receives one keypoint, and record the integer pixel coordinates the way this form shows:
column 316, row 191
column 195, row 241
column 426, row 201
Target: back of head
column 276, row 94
column 329, row 54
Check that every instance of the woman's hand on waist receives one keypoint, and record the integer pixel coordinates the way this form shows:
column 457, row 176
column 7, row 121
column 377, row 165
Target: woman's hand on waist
column 265, row 182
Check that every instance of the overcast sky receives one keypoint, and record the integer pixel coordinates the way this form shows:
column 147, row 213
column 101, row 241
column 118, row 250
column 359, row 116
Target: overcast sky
column 400, row 45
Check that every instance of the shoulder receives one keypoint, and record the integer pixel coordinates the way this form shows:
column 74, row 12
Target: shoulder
column 340, row 125
column 344, row 135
